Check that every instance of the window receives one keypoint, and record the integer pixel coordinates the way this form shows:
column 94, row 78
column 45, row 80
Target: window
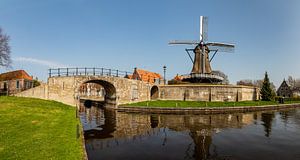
column 5, row 86
column 18, row 85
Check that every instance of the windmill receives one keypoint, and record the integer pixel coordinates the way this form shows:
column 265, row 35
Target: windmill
column 202, row 71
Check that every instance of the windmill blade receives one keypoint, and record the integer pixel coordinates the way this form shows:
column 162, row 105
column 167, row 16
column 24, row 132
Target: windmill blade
column 184, row 42
column 221, row 47
column 203, row 28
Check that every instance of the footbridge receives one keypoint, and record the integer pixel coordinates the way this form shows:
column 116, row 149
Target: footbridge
column 65, row 84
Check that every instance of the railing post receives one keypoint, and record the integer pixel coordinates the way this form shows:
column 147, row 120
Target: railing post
column 76, row 71
column 94, row 71
column 101, row 71
column 117, row 73
column 58, row 72
column 67, row 71
column 85, row 71
column 49, row 73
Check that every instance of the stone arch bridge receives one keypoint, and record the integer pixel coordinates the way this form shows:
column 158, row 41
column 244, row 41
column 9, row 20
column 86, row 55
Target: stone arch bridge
column 63, row 85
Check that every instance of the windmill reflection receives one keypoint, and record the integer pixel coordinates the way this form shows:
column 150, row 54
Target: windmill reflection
column 104, row 128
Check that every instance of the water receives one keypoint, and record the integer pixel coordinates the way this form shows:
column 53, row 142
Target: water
column 259, row 135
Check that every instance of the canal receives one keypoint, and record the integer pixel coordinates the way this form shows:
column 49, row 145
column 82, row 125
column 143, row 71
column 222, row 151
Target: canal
column 258, row 135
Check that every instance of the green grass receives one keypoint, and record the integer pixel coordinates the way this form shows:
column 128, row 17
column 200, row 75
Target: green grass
column 183, row 104
column 38, row 129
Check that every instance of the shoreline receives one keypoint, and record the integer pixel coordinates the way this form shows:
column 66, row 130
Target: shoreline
column 204, row 110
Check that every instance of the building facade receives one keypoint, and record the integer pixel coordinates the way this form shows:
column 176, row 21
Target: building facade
column 15, row 82
column 285, row 90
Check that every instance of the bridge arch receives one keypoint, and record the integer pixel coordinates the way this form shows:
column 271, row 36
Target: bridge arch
column 154, row 93
column 110, row 90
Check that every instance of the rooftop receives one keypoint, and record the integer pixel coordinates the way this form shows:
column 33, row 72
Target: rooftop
column 18, row 74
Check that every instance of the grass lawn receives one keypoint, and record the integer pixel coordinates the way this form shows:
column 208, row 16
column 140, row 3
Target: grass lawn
column 183, row 104
column 38, row 129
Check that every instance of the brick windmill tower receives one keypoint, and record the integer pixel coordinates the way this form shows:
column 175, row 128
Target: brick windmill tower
column 201, row 71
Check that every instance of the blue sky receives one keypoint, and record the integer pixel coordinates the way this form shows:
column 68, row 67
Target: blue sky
column 123, row 34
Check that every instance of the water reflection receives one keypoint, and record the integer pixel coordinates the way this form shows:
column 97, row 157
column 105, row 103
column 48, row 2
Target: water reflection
column 267, row 119
column 117, row 135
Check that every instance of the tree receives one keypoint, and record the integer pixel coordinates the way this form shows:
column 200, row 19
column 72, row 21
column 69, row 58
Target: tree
column 255, row 83
column 36, row 83
column 4, row 50
column 245, row 82
column 220, row 73
column 291, row 81
column 266, row 92
column 259, row 84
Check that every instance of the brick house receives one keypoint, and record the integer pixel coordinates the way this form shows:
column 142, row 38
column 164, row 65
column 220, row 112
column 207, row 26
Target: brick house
column 146, row 76
column 285, row 90
column 14, row 82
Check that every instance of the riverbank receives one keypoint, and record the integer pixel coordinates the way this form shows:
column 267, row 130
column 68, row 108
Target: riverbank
column 39, row 129
column 198, row 104
column 195, row 107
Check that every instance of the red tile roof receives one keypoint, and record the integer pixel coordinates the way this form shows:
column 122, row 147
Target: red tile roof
column 145, row 76
column 178, row 78
column 19, row 74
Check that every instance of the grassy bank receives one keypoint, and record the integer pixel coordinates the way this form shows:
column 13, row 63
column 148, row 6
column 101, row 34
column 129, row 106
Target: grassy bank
column 183, row 104
column 38, row 129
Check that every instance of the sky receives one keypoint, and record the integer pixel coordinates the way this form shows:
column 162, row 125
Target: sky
column 123, row 35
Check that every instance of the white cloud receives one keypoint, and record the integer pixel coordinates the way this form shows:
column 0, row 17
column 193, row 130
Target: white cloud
column 47, row 63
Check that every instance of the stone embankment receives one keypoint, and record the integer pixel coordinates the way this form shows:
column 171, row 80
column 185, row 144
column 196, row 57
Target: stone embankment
column 206, row 110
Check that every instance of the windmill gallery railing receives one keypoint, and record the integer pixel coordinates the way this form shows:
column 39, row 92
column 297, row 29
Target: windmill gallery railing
column 87, row 72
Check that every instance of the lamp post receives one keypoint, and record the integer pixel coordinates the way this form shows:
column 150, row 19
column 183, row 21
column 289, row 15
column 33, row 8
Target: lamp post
column 164, row 67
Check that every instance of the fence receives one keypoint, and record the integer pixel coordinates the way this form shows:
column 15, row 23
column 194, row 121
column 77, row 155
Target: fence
column 87, row 71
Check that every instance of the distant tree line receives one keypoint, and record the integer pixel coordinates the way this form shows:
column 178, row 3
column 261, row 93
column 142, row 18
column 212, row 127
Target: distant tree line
column 256, row 83
column 267, row 88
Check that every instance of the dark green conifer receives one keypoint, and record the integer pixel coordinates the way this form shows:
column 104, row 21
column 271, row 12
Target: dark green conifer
column 266, row 91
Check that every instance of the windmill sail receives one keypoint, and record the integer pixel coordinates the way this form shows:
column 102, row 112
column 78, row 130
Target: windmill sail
column 203, row 28
column 221, row 47
column 184, row 42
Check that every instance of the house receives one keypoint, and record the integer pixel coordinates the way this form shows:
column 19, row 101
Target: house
column 146, row 76
column 14, row 82
column 296, row 92
column 285, row 90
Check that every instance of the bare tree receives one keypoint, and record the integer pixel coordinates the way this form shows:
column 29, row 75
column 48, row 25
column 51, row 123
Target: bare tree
column 245, row 82
column 291, row 81
column 220, row 73
column 4, row 50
